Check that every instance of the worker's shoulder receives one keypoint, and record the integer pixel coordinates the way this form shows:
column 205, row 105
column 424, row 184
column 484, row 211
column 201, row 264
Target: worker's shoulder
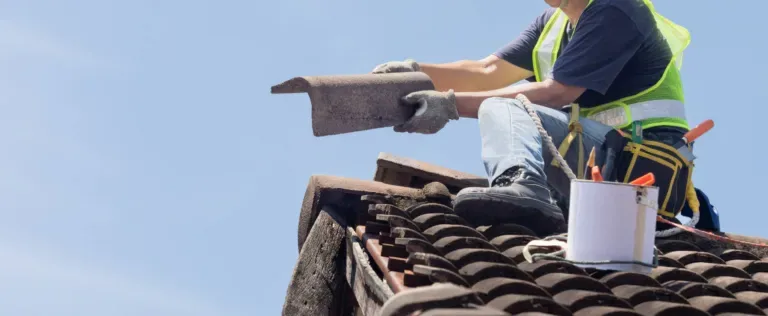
column 635, row 10
column 627, row 6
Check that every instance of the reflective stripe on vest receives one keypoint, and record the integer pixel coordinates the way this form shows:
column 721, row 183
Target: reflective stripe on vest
column 623, row 115
column 545, row 54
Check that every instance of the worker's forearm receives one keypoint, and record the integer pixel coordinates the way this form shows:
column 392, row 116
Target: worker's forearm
column 464, row 75
column 541, row 93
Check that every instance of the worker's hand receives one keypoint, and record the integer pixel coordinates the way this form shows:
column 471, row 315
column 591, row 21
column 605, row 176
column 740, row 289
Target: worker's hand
column 396, row 66
column 433, row 110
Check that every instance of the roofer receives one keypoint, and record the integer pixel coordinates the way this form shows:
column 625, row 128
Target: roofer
column 611, row 64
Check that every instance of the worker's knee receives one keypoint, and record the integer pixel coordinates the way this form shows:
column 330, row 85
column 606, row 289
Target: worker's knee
column 498, row 108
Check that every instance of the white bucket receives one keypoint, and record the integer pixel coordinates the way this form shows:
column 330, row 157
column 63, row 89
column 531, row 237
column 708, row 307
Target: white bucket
column 612, row 221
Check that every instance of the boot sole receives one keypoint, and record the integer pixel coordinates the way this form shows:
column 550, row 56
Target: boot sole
column 489, row 208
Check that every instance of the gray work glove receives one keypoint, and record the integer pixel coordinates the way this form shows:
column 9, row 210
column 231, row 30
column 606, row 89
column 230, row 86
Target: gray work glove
column 434, row 110
column 396, row 66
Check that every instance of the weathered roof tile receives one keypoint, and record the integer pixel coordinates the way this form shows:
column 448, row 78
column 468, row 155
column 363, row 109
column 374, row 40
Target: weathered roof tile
column 351, row 103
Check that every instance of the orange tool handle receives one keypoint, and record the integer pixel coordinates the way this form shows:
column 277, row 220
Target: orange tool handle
column 698, row 131
column 645, row 180
column 596, row 176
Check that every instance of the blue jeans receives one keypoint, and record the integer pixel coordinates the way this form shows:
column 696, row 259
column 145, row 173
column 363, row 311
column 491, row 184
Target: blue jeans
column 510, row 138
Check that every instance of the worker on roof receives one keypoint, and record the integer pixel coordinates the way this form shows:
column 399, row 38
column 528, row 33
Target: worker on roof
column 603, row 64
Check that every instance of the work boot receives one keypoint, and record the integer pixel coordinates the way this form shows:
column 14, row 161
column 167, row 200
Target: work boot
column 515, row 197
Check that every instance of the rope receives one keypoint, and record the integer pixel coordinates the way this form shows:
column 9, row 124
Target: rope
column 545, row 136
column 709, row 235
column 693, row 202
column 559, row 241
column 554, row 257
column 676, row 230
column 569, row 172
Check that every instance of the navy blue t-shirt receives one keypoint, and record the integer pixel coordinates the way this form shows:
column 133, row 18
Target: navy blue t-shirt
column 616, row 51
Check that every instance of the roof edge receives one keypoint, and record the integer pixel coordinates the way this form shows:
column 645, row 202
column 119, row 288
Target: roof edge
column 409, row 172
column 334, row 190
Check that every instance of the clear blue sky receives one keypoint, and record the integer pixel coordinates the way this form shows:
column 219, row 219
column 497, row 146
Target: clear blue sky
column 146, row 169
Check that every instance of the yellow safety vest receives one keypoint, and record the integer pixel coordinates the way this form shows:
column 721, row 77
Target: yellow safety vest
column 660, row 105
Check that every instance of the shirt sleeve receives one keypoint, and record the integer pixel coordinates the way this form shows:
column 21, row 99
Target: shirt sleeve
column 519, row 52
column 604, row 40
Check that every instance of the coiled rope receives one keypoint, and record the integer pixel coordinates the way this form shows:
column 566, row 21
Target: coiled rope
column 568, row 172
column 559, row 242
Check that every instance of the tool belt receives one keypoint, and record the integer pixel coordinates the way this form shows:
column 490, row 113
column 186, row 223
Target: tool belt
column 671, row 171
column 634, row 159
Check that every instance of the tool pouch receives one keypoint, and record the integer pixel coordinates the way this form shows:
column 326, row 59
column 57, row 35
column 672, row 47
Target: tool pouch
column 671, row 170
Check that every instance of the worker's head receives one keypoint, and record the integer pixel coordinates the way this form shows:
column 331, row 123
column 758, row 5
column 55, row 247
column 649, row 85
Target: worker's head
column 557, row 3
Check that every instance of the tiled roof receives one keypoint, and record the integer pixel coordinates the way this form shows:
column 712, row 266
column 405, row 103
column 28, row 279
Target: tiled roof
column 435, row 263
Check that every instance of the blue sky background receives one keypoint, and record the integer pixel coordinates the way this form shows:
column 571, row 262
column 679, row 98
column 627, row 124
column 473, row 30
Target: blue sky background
column 146, row 169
